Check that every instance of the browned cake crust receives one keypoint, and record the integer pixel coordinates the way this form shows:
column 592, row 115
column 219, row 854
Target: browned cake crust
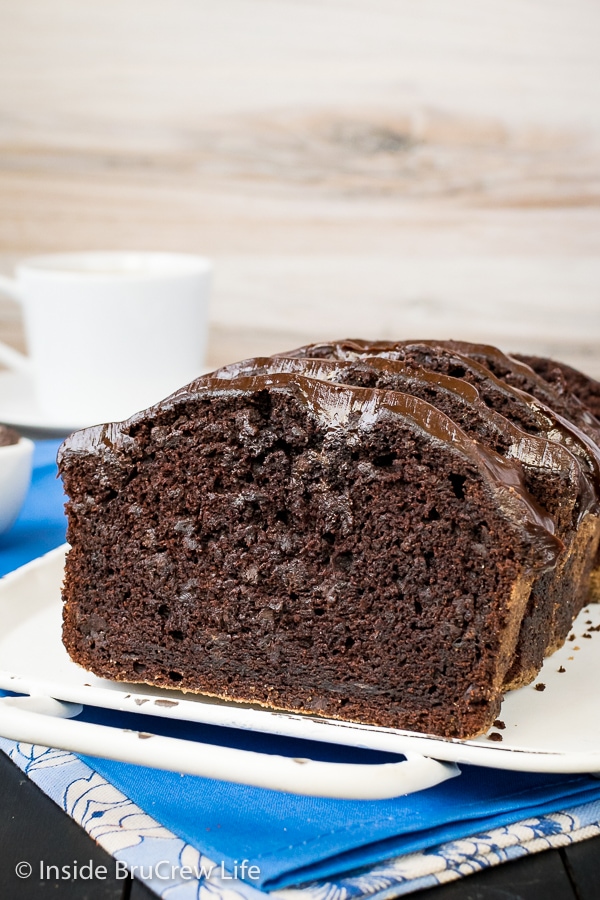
column 334, row 549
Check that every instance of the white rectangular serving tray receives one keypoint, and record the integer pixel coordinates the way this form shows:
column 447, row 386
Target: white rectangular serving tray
column 554, row 729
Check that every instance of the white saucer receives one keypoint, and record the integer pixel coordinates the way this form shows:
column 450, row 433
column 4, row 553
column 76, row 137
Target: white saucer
column 18, row 407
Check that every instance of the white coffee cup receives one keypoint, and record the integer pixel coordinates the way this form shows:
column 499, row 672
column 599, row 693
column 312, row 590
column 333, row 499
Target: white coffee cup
column 109, row 333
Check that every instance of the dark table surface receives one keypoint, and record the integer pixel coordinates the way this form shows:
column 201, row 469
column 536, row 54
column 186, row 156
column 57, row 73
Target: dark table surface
column 34, row 829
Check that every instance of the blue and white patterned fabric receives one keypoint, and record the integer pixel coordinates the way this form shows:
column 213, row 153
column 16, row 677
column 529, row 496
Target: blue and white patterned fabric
column 189, row 837
column 175, row 869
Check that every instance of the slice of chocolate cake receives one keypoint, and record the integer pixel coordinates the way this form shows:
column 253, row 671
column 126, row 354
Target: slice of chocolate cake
column 551, row 474
column 305, row 545
column 526, row 411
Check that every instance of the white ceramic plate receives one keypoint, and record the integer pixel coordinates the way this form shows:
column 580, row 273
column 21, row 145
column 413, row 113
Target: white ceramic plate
column 554, row 730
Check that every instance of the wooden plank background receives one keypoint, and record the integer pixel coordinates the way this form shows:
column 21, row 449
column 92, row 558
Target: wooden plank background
column 377, row 168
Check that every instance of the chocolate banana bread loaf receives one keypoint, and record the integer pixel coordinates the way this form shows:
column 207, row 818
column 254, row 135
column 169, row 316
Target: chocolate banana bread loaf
column 353, row 537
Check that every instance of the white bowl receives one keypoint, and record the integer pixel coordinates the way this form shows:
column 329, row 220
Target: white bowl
column 15, row 478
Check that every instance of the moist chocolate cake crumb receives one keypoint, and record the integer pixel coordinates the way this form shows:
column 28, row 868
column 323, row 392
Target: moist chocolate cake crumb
column 8, row 436
column 561, row 669
column 540, row 686
column 499, row 724
column 494, row 736
column 588, row 636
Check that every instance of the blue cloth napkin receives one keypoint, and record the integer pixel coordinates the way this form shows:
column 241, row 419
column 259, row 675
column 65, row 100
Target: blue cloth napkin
column 290, row 839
